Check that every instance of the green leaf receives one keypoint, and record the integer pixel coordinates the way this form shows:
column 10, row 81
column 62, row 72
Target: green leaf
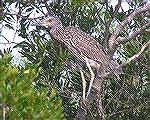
column 9, row 88
column 29, row 9
column 9, row 26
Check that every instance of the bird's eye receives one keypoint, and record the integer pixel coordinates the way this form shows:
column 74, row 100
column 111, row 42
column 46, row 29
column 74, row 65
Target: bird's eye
column 49, row 20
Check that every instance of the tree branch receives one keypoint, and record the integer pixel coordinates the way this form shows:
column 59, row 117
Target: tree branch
column 113, row 39
column 122, row 40
column 107, row 33
column 136, row 55
column 19, row 15
column 8, row 42
column 47, row 7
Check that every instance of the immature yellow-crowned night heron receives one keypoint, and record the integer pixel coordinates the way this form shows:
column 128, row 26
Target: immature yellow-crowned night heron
column 82, row 45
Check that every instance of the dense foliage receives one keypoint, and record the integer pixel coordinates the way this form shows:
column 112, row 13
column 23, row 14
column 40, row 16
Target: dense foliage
column 21, row 99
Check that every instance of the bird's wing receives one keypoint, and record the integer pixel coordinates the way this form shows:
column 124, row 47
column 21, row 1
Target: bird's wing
column 86, row 44
column 87, row 38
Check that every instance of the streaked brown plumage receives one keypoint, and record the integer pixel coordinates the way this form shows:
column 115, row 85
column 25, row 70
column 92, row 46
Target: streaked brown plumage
column 81, row 45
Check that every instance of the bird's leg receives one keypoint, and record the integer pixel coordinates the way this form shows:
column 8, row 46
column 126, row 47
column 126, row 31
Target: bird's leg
column 83, row 83
column 92, row 77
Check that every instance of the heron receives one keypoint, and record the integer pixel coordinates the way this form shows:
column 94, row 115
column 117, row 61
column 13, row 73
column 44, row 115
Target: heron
column 83, row 46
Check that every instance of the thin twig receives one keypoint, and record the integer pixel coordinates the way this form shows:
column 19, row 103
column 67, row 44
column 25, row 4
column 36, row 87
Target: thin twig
column 19, row 15
column 47, row 7
column 8, row 43
column 136, row 55
column 108, row 24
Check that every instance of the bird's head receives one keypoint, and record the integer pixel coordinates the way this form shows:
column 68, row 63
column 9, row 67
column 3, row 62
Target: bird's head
column 50, row 21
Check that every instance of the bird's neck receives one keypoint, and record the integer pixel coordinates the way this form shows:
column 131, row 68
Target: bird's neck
column 57, row 32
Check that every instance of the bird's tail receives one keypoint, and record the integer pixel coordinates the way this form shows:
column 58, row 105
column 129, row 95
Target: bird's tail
column 114, row 67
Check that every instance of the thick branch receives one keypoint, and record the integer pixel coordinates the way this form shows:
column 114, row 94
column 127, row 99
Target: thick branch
column 113, row 39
